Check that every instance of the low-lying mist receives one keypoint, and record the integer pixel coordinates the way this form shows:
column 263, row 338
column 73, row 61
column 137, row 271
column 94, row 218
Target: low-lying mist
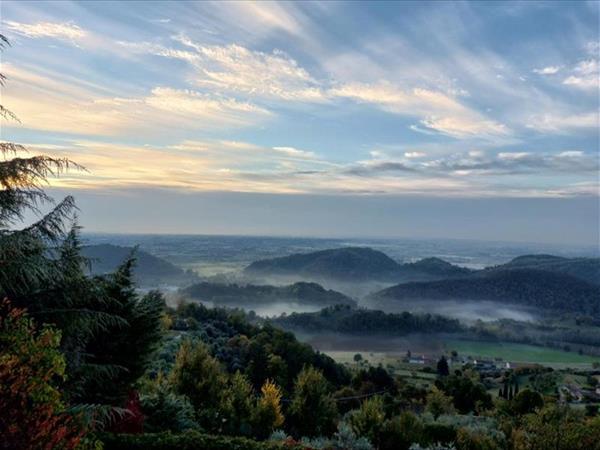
column 354, row 290
column 416, row 343
column 467, row 311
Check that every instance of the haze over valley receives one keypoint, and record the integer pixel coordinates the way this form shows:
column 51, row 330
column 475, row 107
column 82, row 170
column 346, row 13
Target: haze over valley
column 300, row 276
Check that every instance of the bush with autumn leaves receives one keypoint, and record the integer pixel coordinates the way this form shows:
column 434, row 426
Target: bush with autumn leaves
column 32, row 370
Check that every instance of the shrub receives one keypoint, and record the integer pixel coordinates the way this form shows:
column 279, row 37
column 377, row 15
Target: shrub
column 474, row 440
column 439, row 403
column 200, row 377
column 436, row 432
column 190, row 440
column 32, row 414
column 527, row 401
column 368, row 419
column 437, row 446
column 466, row 393
column 313, row 410
column 164, row 410
column 345, row 439
column 399, row 432
column 268, row 415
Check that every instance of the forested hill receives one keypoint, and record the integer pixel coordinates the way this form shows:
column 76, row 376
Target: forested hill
column 529, row 287
column 433, row 267
column 262, row 352
column 234, row 294
column 345, row 319
column 587, row 269
column 349, row 263
column 354, row 264
column 149, row 270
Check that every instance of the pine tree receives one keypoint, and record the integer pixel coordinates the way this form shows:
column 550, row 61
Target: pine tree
column 125, row 356
column 26, row 263
column 43, row 271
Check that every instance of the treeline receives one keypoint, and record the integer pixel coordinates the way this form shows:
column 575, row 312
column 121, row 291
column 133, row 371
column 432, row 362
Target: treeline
column 346, row 319
column 580, row 334
column 236, row 294
column 529, row 287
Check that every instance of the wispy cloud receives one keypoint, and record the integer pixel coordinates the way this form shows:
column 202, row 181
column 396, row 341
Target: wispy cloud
column 236, row 69
column 197, row 105
column 550, row 70
column 66, row 31
column 55, row 105
column 585, row 75
column 444, row 107
column 239, row 166
column 480, row 163
column 556, row 123
column 439, row 111
column 294, row 152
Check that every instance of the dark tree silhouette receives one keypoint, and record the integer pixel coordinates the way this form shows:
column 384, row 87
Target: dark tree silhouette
column 442, row 367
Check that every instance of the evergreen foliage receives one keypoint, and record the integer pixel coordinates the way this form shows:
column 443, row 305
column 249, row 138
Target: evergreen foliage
column 313, row 411
column 201, row 378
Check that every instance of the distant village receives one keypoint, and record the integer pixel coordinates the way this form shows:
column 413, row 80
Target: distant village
column 497, row 369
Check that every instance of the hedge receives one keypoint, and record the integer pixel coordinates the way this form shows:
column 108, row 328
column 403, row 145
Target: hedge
column 190, row 440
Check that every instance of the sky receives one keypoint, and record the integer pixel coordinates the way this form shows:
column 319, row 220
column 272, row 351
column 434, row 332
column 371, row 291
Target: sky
column 458, row 120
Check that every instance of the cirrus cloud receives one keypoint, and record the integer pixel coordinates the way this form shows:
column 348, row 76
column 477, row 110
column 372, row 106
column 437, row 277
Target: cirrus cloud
column 67, row 31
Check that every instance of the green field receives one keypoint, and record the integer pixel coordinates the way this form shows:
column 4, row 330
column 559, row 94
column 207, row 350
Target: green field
column 514, row 353
column 521, row 353
column 373, row 358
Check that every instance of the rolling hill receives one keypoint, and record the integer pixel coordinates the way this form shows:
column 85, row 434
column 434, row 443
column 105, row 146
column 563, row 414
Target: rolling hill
column 234, row 294
column 587, row 269
column 354, row 264
column 529, row 287
column 149, row 270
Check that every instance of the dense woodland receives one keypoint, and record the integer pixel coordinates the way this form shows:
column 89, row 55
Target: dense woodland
column 541, row 289
column 89, row 362
column 235, row 294
column 345, row 319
